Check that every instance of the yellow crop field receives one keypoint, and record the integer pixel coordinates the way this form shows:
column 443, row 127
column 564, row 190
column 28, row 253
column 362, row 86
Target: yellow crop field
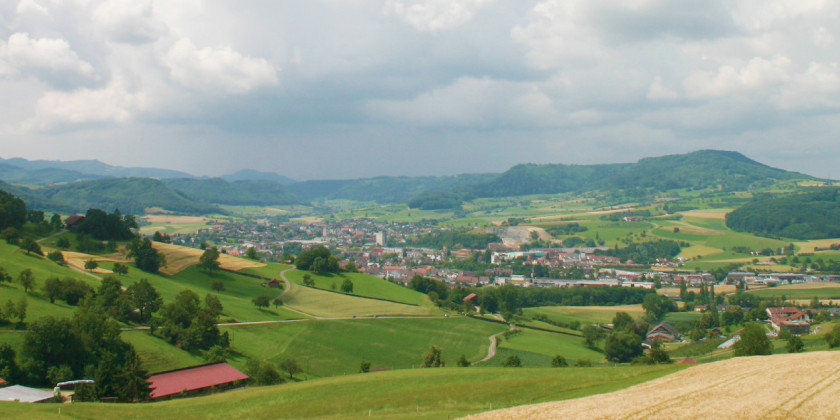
column 179, row 258
column 707, row 214
column 785, row 386
column 78, row 259
column 675, row 291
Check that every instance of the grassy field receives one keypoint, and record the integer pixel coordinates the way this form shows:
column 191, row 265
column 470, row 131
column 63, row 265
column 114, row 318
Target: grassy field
column 158, row 355
column 324, row 303
column 584, row 314
column 802, row 291
column 407, row 394
column 758, row 387
column 548, row 345
column 363, row 285
column 337, row 347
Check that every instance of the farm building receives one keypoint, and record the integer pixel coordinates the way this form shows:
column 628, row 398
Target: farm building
column 73, row 221
column 194, row 380
column 25, row 394
column 664, row 332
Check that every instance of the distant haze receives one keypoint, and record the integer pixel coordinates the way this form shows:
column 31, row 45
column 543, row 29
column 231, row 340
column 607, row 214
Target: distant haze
column 330, row 89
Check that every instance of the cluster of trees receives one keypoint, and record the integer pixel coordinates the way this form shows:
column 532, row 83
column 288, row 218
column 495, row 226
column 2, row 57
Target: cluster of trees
column 437, row 290
column 145, row 256
column 565, row 229
column 86, row 346
column 12, row 211
column 455, row 239
column 810, row 215
column 13, row 310
column 436, row 201
column 189, row 324
column 647, row 252
column 318, row 259
column 108, row 226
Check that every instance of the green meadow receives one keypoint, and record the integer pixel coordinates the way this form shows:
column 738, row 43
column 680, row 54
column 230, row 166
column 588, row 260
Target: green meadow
column 363, row 285
column 404, row 394
column 337, row 347
column 528, row 343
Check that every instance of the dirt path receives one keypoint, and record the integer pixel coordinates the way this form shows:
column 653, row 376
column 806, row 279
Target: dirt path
column 491, row 351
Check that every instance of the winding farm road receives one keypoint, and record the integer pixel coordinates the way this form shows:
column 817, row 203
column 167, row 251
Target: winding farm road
column 491, row 351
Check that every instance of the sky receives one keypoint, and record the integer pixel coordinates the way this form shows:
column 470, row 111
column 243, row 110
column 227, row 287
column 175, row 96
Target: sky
column 339, row 89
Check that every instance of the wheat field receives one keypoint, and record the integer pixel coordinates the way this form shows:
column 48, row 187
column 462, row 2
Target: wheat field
column 786, row 386
column 179, row 258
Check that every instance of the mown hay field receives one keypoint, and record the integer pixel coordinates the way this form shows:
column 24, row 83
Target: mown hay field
column 179, row 258
column 785, row 386
column 78, row 260
column 322, row 303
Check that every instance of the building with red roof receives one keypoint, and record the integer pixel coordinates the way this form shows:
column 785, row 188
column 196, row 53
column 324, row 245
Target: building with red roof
column 194, row 380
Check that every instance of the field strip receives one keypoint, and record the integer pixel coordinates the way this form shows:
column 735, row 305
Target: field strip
column 808, row 393
column 783, row 386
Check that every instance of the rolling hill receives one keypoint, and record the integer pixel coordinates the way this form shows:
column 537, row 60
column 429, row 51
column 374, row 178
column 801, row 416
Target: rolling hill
column 809, row 215
column 715, row 169
column 238, row 193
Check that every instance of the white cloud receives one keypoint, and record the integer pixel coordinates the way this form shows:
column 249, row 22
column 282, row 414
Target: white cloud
column 756, row 74
column 113, row 103
column 52, row 54
column 558, row 31
column 434, row 15
column 658, row 91
column 31, row 7
column 129, row 21
column 212, row 69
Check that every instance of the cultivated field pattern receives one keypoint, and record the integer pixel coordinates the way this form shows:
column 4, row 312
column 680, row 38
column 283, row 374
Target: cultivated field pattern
column 789, row 386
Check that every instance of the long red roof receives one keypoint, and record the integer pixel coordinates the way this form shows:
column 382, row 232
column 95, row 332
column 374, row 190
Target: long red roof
column 190, row 379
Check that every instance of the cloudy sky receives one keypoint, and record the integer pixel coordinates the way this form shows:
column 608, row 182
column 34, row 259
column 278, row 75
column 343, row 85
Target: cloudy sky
column 322, row 89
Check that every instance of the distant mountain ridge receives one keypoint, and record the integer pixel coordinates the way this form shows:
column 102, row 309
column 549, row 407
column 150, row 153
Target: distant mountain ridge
column 724, row 170
column 95, row 167
column 68, row 189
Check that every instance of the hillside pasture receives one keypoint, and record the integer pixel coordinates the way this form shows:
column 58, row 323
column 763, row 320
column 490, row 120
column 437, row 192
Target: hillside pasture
column 321, row 303
column 363, row 285
column 337, row 347
column 800, row 385
column 403, row 394
column 804, row 291
column 547, row 344
column 584, row 314
column 179, row 258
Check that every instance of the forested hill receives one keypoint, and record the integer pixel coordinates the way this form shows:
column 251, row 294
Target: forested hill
column 130, row 195
column 728, row 171
column 809, row 215
column 386, row 189
column 244, row 192
column 93, row 168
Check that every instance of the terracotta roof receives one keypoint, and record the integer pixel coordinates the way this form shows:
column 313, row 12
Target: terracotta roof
column 470, row 296
column 190, row 379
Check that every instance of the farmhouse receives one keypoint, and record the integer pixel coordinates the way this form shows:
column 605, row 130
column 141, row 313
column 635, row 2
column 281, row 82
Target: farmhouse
column 25, row 394
column 664, row 332
column 72, row 222
column 194, row 380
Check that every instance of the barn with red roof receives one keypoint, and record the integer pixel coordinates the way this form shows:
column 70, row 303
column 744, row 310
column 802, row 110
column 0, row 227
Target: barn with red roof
column 194, row 380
